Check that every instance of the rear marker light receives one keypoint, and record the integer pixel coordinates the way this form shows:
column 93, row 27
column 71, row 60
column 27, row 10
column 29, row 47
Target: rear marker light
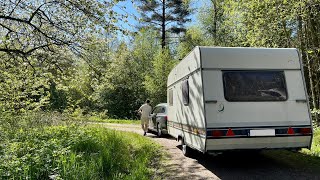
column 217, row 133
column 305, row 131
column 230, row 132
column 290, row 131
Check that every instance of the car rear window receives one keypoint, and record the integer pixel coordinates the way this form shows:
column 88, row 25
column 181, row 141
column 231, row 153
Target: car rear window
column 162, row 110
column 254, row 86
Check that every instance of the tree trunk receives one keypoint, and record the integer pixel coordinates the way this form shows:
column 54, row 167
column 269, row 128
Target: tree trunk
column 313, row 28
column 314, row 44
column 312, row 89
column 313, row 35
column 302, row 31
column 214, row 2
column 163, row 25
column 311, row 81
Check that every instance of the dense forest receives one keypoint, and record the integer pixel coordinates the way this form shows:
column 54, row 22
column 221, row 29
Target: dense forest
column 66, row 56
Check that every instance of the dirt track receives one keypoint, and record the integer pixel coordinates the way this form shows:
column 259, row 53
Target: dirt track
column 225, row 166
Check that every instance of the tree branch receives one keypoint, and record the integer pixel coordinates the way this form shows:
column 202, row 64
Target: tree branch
column 85, row 11
column 35, row 27
column 150, row 21
column 6, row 27
column 17, row 51
column 27, row 53
column 16, row 5
column 153, row 10
column 37, row 10
column 169, row 22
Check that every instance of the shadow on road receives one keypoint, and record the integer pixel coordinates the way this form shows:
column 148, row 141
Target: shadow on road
column 273, row 165
column 243, row 165
column 153, row 136
column 246, row 165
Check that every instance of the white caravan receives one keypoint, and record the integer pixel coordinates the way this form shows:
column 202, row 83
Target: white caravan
column 239, row 99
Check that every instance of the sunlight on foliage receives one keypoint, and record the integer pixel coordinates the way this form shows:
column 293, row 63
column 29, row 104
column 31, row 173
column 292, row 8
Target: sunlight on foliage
column 62, row 151
column 315, row 148
column 156, row 80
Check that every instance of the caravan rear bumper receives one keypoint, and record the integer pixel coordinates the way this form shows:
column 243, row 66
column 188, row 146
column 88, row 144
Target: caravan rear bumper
column 287, row 142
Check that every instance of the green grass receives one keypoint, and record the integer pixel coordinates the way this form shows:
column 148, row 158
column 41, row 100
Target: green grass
column 305, row 159
column 295, row 159
column 71, row 151
column 315, row 148
column 115, row 121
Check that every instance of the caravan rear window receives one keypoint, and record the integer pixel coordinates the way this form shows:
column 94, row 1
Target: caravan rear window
column 254, row 86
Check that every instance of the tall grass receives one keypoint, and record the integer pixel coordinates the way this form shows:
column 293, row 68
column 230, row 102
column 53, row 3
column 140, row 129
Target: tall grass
column 116, row 121
column 68, row 151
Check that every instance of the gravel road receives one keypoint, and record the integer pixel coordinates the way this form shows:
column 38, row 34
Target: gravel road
column 226, row 166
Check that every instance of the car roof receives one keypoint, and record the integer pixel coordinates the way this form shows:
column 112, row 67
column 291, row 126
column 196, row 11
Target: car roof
column 162, row 104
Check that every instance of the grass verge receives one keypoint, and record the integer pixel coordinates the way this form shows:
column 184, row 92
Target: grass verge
column 115, row 121
column 315, row 148
column 305, row 159
column 70, row 151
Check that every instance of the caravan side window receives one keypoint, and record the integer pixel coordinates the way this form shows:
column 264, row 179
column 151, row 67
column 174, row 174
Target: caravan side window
column 170, row 97
column 185, row 92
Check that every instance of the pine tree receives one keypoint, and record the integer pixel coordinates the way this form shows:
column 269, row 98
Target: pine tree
column 165, row 16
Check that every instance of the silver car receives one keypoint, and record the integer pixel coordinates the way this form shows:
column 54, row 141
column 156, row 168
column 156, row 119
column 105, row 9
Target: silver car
column 158, row 119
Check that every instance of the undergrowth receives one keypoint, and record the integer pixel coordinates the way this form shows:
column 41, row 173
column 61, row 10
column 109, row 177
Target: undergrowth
column 31, row 148
column 315, row 148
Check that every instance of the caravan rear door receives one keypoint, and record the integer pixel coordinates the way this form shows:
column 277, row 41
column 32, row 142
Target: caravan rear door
column 256, row 109
column 255, row 98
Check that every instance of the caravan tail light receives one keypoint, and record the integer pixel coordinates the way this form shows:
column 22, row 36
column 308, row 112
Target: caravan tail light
column 290, row 131
column 239, row 132
column 305, row 130
column 166, row 118
column 230, row 132
column 297, row 131
column 217, row 133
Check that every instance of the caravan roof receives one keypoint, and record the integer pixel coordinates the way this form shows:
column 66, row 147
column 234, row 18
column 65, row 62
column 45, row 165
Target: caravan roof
column 240, row 58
